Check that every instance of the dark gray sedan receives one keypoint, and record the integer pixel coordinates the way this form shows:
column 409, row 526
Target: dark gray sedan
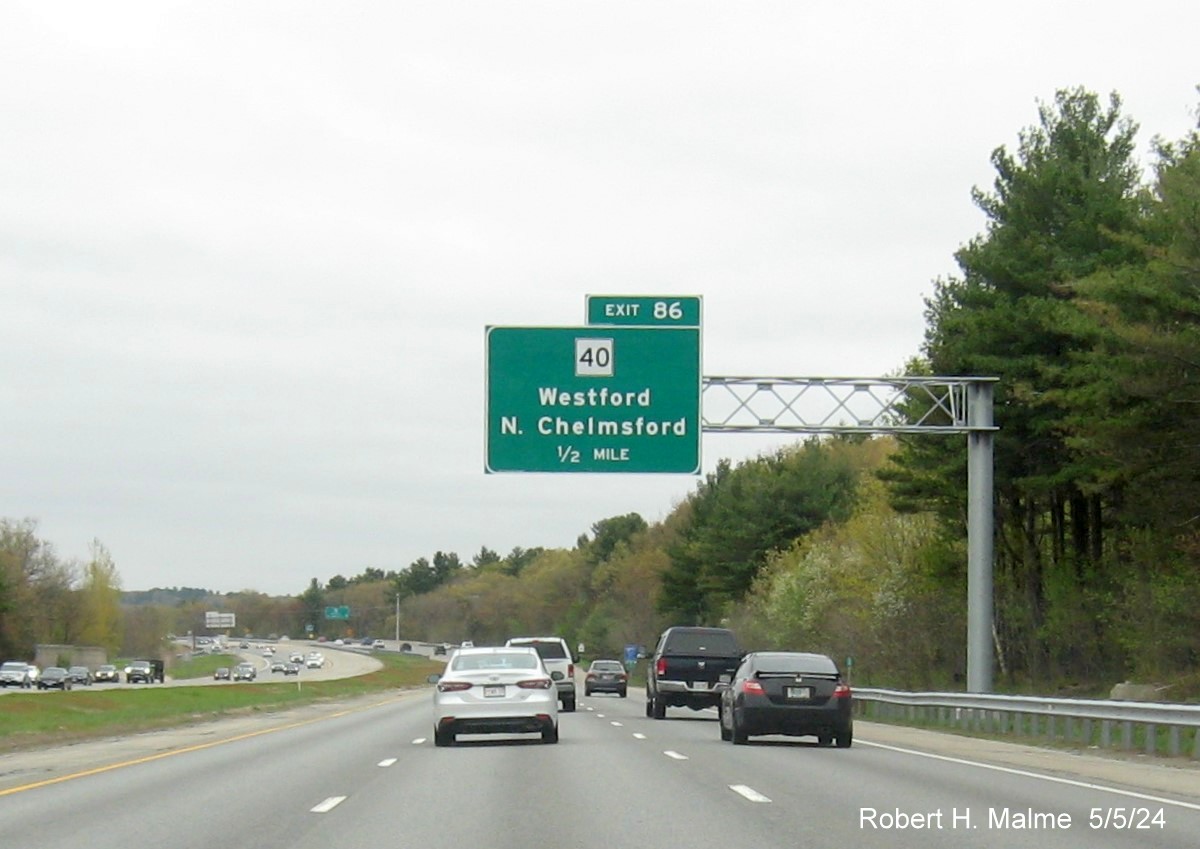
column 791, row 693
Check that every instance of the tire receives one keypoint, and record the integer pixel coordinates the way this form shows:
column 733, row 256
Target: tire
column 736, row 733
column 844, row 740
column 550, row 735
column 622, row 694
column 586, row 692
column 568, row 705
column 824, row 740
column 725, row 735
column 443, row 738
column 660, row 708
column 649, row 707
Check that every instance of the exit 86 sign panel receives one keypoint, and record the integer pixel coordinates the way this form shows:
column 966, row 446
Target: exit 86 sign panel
column 593, row 399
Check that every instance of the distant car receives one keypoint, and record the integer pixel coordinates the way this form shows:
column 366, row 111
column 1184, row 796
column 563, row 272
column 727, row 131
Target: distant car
column 440, row 648
column 468, row 644
column 15, row 673
column 80, row 675
column 494, row 691
column 296, row 657
column 108, row 673
column 268, row 651
column 221, row 673
column 606, row 676
column 54, row 677
column 278, row 666
column 792, row 693
column 244, row 672
column 314, row 662
column 378, row 644
column 339, row 642
column 291, row 669
column 365, row 641
column 243, row 645
column 139, row 671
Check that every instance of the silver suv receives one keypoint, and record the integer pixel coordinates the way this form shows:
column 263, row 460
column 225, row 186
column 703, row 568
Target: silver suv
column 558, row 662
column 15, row 673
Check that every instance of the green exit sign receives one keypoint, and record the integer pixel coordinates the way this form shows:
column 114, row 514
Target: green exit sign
column 342, row 612
column 593, row 399
column 644, row 310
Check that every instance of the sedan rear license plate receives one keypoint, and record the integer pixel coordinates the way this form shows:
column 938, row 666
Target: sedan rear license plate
column 799, row 692
column 493, row 691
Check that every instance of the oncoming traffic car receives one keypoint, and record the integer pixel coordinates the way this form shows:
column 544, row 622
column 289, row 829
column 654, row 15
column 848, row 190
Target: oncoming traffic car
column 494, row 690
column 791, row 693
column 244, row 672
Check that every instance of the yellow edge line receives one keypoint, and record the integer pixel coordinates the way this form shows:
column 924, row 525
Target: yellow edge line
column 196, row 748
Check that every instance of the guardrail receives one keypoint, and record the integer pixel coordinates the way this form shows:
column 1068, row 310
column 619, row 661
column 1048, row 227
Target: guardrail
column 1155, row 728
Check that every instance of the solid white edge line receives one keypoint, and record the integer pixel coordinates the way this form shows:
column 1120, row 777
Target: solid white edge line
column 1086, row 785
column 675, row 755
column 748, row 793
column 328, row 805
column 388, row 761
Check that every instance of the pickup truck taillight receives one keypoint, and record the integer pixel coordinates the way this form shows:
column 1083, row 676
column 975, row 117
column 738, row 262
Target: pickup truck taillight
column 660, row 668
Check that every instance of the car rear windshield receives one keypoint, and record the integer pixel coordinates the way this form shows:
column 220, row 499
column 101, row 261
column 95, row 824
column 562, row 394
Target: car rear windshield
column 701, row 642
column 608, row 666
column 15, row 667
column 813, row 664
column 497, row 660
column 548, row 649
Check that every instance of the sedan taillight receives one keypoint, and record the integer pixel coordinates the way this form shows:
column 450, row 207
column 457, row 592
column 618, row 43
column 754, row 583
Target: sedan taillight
column 753, row 687
column 453, row 686
column 841, row 691
column 536, row 684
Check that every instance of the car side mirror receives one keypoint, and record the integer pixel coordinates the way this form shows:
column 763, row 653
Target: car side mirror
column 433, row 679
column 556, row 676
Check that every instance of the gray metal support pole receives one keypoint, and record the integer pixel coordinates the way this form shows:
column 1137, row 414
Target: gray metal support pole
column 980, row 533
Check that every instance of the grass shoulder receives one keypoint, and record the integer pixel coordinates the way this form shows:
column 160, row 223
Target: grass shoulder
column 34, row 720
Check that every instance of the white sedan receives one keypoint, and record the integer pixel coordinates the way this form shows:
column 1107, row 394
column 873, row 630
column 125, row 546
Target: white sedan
column 494, row 690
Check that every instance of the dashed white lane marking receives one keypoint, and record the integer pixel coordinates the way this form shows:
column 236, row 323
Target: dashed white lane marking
column 599, row 716
column 328, row 805
column 748, row 792
column 637, row 735
column 388, row 761
column 675, row 755
column 617, row 724
column 418, row 741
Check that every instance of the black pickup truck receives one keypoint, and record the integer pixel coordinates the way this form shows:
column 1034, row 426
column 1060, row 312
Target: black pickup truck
column 686, row 666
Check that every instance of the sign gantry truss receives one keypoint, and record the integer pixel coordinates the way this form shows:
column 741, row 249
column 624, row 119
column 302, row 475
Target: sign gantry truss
column 838, row 404
column 961, row 405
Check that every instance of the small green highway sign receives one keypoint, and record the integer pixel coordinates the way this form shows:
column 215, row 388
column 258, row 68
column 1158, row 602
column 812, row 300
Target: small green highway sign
column 342, row 612
column 593, row 399
column 644, row 310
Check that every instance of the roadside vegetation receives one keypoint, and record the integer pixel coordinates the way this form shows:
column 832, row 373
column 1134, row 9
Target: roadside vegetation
column 1082, row 295
column 32, row 720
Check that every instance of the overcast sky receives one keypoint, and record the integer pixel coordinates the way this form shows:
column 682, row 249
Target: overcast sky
column 248, row 250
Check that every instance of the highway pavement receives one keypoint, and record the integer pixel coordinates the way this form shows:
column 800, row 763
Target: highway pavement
column 365, row 773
